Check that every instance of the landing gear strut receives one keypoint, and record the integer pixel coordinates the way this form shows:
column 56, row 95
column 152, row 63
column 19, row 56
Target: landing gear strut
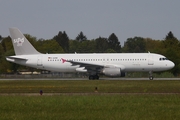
column 93, row 77
column 150, row 75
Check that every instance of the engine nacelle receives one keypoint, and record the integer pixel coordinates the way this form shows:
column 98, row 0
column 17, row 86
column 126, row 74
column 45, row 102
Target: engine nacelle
column 81, row 69
column 113, row 72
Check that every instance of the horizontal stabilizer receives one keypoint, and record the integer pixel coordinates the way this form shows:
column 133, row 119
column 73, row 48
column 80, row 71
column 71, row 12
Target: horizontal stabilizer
column 16, row 57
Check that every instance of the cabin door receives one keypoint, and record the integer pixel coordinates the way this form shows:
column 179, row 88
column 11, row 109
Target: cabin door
column 39, row 60
column 150, row 60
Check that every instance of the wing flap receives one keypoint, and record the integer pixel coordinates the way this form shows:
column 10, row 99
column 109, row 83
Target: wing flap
column 88, row 66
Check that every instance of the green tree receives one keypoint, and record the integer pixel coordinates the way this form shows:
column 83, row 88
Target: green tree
column 170, row 40
column 101, row 45
column 8, row 67
column 135, row 45
column 49, row 46
column 81, row 37
column 1, row 50
column 173, row 55
column 32, row 40
column 86, row 47
column 154, row 46
column 63, row 41
column 73, row 46
column 7, row 44
column 172, row 50
column 110, row 51
column 114, row 43
column 170, row 35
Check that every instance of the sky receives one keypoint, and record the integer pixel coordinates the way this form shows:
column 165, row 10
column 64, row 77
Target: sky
column 95, row 18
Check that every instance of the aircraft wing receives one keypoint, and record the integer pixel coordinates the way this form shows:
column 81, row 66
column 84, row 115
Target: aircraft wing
column 93, row 66
column 88, row 66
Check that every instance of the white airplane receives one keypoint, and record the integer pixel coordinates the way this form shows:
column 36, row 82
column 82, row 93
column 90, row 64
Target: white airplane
column 112, row 65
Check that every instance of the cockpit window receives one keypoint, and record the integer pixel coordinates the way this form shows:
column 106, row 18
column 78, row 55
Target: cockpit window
column 161, row 59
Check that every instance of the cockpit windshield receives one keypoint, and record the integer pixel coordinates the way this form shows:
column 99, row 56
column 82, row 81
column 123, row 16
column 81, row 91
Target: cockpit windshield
column 161, row 59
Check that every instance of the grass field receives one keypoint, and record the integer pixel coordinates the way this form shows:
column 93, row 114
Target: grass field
column 86, row 86
column 115, row 100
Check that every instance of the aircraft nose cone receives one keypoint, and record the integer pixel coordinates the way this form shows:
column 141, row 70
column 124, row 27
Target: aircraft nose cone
column 171, row 65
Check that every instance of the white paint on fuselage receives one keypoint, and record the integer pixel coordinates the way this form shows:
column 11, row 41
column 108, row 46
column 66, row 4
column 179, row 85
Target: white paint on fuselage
column 126, row 61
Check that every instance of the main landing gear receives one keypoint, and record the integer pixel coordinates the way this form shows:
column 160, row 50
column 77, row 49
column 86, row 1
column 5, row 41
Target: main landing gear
column 93, row 77
column 150, row 75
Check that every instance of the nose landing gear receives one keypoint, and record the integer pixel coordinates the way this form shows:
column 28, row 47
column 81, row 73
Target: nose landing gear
column 150, row 75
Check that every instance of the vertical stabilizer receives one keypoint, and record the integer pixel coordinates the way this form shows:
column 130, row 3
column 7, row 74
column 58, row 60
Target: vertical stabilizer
column 21, row 45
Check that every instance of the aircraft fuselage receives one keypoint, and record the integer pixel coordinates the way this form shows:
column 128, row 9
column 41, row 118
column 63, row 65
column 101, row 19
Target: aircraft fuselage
column 128, row 62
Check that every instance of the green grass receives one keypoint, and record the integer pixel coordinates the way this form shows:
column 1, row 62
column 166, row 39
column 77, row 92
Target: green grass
column 107, row 86
column 92, row 107
column 161, row 101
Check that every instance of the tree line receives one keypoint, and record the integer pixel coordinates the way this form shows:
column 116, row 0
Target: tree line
column 61, row 43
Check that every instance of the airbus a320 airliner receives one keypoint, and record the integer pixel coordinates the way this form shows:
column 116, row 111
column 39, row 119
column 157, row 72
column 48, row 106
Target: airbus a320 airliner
column 112, row 65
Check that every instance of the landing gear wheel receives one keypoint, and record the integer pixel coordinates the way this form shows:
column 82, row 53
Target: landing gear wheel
column 93, row 77
column 151, row 77
column 96, row 77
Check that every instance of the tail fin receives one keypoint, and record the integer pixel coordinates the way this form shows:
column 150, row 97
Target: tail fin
column 21, row 45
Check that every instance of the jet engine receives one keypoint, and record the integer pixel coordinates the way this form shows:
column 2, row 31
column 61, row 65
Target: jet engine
column 113, row 72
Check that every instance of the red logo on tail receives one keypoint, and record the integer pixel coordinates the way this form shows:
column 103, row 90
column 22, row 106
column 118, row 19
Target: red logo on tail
column 63, row 60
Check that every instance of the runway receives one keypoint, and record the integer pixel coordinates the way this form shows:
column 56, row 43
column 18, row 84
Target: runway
column 88, row 79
